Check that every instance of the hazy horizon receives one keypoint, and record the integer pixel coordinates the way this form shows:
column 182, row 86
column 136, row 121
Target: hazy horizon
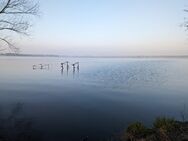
column 108, row 28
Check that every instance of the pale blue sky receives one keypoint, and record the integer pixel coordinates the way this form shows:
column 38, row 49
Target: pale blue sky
column 108, row 27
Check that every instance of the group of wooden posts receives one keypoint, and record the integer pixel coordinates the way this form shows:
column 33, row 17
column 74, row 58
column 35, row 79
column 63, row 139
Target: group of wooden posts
column 74, row 65
column 63, row 65
column 41, row 66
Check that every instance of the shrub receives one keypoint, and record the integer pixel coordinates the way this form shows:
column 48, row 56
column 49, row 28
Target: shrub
column 136, row 129
column 166, row 124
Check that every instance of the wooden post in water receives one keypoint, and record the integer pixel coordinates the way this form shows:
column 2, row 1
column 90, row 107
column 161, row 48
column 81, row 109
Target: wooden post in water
column 67, row 65
column 34, row 67
column 62, row 66
column 73, row 65
column 78, row 66
column 41, row 66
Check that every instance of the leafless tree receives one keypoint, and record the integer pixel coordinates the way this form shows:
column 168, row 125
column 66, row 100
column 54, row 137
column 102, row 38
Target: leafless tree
column 15, row 18
column 185, row 24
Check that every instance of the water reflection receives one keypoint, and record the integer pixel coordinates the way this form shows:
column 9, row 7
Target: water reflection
column 75, row 72
column 16, row 126
column 62, row 72
column 75, row 69
column 103, row 100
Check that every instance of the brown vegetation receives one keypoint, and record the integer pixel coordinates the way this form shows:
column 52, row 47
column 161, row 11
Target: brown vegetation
column 164, row 129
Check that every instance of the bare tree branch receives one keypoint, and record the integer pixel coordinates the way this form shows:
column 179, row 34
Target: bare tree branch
column 9, row 44
column 185, row 24
column 5, row 7
column 20, row 7
column 15, row 18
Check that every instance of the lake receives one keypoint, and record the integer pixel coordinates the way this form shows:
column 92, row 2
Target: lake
column 99, row 100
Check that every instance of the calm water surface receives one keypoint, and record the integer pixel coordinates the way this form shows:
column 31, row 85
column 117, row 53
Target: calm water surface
column 100, row 99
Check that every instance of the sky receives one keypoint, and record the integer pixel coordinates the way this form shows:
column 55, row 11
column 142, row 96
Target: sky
column 108, row 28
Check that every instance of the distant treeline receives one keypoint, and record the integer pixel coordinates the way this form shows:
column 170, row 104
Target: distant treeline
column 54, row 55
column 29, row 55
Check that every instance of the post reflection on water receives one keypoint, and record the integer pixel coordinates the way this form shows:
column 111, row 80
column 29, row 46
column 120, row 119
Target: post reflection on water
column 75, row 69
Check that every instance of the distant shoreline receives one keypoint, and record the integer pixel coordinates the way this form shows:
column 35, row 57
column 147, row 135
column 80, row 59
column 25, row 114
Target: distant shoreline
column 67, row 56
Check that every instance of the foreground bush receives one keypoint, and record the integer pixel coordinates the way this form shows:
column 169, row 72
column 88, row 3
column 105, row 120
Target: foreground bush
column 136, row 128
column 164, row 129
column 166, row 124
column 135, row 131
